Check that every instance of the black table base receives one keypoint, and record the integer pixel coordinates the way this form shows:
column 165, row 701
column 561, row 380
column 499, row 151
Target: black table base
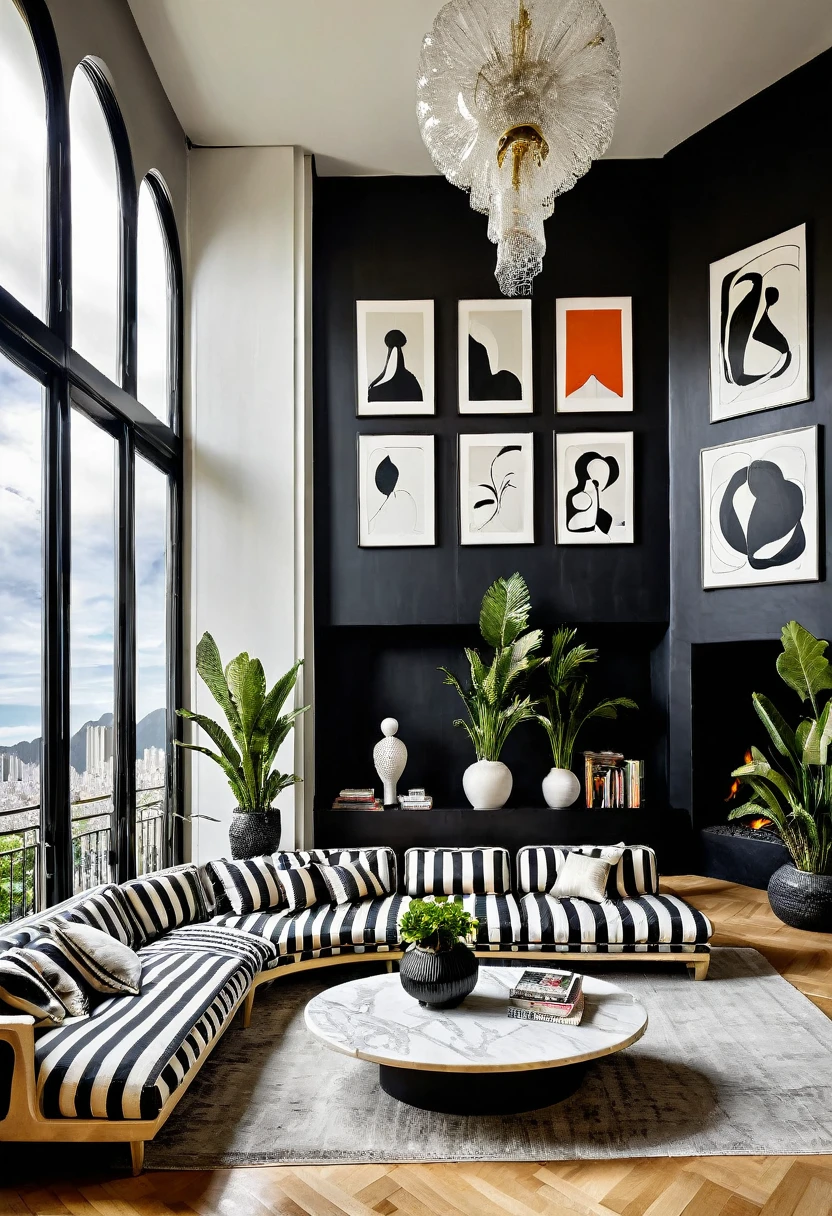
column 481, row 1093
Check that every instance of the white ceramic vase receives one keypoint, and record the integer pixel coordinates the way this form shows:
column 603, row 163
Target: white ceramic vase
column 487, row 784
column 390, row 757
column 560, row 788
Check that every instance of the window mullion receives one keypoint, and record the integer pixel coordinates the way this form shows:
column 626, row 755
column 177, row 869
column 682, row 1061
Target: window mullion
column 124, row 781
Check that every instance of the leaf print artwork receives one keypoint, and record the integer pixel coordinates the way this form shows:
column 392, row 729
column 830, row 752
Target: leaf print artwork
column 396, row 490
column 496, row 489
column 495, row 493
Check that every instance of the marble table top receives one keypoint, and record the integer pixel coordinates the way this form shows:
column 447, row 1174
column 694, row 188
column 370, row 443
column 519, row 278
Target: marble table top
column 374, row 1019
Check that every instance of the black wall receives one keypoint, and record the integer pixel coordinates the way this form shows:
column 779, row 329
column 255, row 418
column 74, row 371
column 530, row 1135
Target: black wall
column 761, row 169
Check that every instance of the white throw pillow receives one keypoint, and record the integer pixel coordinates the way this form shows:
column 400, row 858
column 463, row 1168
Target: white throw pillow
column 582, row 877
column 105, row 964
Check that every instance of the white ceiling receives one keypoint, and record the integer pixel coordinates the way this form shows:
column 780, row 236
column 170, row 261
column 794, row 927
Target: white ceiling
column 337, row 76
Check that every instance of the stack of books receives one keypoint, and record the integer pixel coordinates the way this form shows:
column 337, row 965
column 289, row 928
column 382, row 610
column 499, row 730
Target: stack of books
column 357, row 800
column 416, row 800
column 548, row 996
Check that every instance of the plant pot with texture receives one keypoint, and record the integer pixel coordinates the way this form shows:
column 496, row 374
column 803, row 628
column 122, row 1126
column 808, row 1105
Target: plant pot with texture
column 438, row 969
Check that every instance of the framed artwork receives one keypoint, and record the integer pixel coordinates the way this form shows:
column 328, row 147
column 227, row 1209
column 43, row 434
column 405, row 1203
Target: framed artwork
column 594, row 353
column 496, row 489
column 495, row 357
column 395, row 357
column 396, row 490
column 760, row 510
column 594, row 488
column 759, row 332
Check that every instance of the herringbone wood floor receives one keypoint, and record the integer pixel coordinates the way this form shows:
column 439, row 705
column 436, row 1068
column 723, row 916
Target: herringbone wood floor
column 702, row 1186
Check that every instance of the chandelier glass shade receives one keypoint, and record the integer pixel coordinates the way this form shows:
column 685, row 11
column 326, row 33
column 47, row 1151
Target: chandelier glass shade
column 515, row 99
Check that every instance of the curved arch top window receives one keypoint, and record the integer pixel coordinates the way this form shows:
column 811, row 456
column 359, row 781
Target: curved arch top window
column 96, row 223
column 154, row 308
column 22, row 162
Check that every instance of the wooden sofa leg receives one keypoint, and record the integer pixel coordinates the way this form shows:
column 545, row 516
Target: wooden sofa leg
column 247, row 1008
column 389, row 965
column 700, row 966
column 137, row 1156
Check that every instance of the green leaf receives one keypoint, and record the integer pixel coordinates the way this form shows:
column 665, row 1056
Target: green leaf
column 253, row 695
column 235, row 676
column 238, row 786
column 803, row 664
column 818, row 737
column 505, row 610
column 209, row 668
column 216, row 734
column 780, row 733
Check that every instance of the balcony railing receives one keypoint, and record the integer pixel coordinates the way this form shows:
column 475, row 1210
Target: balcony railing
column 19, row 870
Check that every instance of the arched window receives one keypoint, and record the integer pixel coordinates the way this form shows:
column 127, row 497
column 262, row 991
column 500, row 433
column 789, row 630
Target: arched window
column 23, row 151
column 96, row 227
column 155, row 302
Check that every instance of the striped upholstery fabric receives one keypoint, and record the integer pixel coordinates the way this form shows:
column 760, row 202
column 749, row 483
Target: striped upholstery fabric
column 373, row 921
column 456, row 872
column 50, row 962
column 23, row 989
column 249, row 885
column 648, row 920
column 160, row 902
column 498, row 916
column 13, row 938
column 350, row 882
column 636, row 873
column 98, row 961
column 303, row 887
column 108, row 911
column 380, row 861
column 255, row 953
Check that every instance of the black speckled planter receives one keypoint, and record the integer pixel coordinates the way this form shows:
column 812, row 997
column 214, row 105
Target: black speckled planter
column 800, row 899
column 254, row 833
column 439, row 979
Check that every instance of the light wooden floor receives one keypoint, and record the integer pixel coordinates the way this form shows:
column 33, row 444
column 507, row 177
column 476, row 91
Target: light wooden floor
column 703, row 1186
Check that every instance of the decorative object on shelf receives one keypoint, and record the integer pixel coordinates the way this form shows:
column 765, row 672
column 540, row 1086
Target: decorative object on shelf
column 257, row 731
column 438, row 969
column 492, row 700
column 594, row 351
column 795, row 791
column 760, row 510
column 759, row 327
column 515, row 100
column 396, row 492
column 495, row 357
column 357, row 800
column 565, row 714
column 594, row 488
column 389, row 757
column 416, row 800
column 395, row 357
column 634, row 784
column 604, row 781
column 496, row 489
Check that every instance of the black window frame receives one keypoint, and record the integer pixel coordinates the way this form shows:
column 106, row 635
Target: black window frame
column 44, row 350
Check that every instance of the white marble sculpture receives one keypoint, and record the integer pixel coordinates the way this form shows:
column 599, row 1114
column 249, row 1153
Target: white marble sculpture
column 389, row 757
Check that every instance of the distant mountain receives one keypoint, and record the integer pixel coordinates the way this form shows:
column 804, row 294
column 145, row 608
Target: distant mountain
column 150, row 732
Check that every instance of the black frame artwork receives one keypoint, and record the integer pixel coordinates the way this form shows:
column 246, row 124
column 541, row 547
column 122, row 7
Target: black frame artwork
column 387, row 483
column 383, row 389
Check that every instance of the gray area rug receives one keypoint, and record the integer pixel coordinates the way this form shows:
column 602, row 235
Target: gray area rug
column 739, row 1064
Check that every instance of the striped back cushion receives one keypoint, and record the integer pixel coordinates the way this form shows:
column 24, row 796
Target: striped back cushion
column 303, row 886
column 161, row 902
column 351, row 882
column 636, row 873
column 250, row 885
column 379, row 861
column 106, row 910
column 457, row 872
column 24, row 990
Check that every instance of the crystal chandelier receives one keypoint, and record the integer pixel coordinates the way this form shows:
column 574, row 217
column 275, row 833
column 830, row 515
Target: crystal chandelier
column 515, row 99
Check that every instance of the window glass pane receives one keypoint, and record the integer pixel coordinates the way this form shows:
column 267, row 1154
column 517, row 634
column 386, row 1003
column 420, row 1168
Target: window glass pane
column 22, row 162
column 96, row 219
column 151, row 663
column 154, row 307
column 92, row 623
column 20, row 637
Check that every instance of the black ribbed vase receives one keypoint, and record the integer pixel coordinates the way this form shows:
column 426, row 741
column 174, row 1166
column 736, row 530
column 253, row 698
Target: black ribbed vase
column 254, row 833
column 439, row 979
column 800, row 899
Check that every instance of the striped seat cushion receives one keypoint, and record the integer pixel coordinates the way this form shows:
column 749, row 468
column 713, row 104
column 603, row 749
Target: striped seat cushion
column 380, row 861
column 498, row 917
column 249, row 886
column 648, row 920
column 457, row 872
column 636, row 873
column 107, row 910
column 160, row 902
column 126, row 1060
column 373, row 921
column 255, row 953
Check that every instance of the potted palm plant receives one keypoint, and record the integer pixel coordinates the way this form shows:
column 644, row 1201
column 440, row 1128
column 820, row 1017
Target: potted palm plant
column 492, row 700
column 794, row 788
column 566, row 714
column 438, row 968
column 247, row 756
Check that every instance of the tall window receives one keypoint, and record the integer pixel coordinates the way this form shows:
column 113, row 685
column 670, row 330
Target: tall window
column 90, row 483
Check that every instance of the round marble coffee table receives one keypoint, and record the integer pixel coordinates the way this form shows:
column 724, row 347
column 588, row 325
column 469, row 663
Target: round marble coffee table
column 499, row 1064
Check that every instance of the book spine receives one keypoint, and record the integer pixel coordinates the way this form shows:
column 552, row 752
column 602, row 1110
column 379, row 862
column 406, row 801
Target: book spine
column 527, row 993
column 561, row 1009
column 532, row 1015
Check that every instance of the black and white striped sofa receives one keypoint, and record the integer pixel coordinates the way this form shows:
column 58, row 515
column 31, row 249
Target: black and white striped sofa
column 118, row 1074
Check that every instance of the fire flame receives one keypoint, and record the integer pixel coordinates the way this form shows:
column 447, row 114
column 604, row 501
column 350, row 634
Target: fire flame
column 735, row 784
column 759, row 822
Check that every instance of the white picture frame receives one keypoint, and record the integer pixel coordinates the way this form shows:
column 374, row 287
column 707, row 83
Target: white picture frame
column 396, row 500
column 785, row 539
column 760, row 329
column 594, row 355
column 594, row 498
column 495, row 357
column 395, row 379
column 496, row 471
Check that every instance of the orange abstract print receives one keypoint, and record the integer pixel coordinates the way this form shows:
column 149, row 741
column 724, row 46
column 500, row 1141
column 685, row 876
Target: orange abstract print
column 594, row 348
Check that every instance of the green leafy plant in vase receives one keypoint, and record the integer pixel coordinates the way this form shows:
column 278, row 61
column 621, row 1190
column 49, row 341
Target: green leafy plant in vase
column 257, row 729
column 492, row 699
column 566, row 713
column 438, row 969
column 793, row 788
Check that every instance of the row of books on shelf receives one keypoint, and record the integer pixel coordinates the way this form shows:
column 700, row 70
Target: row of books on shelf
column 365, row 800
column 547, row 996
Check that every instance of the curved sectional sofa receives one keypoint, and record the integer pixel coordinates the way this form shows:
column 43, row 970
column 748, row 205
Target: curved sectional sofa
column 118, row 1074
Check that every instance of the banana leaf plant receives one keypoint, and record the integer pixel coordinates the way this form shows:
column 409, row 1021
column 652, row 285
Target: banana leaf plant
column 794, row 788
column 566, row 714
column 492, row 699
column 255, row 721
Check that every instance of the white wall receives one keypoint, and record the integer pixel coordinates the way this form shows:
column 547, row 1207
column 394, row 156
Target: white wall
column 246, row 431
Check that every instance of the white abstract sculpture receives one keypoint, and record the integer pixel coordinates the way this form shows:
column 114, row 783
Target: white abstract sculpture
column 389, row 757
